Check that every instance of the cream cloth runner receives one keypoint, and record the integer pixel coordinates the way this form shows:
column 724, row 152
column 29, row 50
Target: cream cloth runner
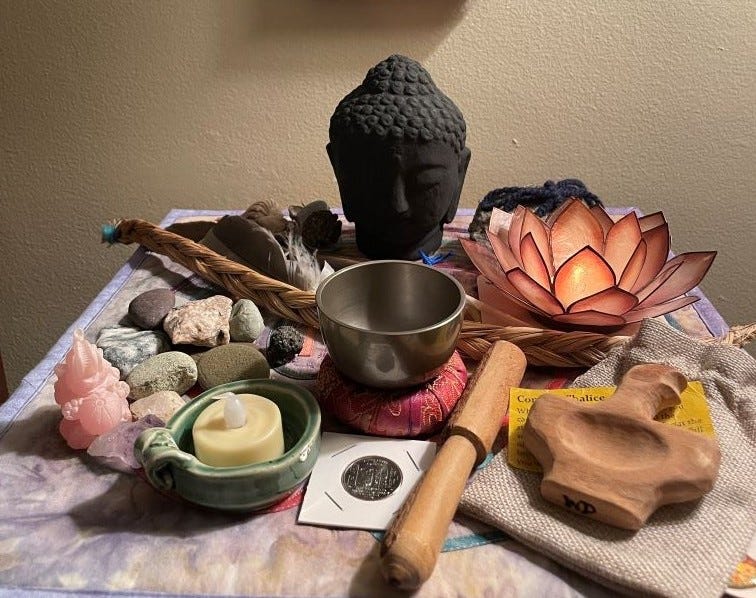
column 684, row 550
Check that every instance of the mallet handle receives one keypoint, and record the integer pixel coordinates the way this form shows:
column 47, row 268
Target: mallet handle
column 412, row 543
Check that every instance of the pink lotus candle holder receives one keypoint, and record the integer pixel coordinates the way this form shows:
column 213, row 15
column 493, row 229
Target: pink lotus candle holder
column 581, row 270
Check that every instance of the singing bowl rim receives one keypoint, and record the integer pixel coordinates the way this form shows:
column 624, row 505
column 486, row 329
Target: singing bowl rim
column 335, row 319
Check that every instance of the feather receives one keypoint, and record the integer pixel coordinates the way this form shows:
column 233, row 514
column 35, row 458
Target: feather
column 303, row 268
column 248, row 243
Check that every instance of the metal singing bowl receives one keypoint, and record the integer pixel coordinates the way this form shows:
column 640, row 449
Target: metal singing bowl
column 390, row 323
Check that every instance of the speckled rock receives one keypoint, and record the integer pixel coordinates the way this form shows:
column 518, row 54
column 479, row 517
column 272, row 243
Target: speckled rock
column 162, row 404
column 203, row 322
column 148, row 309
column 237, row 361
column 126, row 347
column 246, row 322
column 173, row 370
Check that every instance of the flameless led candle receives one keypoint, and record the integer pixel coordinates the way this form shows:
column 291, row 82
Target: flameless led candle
column 238, row 430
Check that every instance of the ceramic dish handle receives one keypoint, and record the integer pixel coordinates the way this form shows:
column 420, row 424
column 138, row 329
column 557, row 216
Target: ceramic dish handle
column 158, row 453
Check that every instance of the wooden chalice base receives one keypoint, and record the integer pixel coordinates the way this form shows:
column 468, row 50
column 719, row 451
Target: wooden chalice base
column 612, row 462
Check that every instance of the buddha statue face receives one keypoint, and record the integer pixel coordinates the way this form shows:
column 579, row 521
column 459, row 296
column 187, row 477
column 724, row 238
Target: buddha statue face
column 397, row 150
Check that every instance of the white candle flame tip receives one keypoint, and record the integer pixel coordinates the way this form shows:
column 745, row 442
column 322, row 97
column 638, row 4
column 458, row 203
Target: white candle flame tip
column 233, row 411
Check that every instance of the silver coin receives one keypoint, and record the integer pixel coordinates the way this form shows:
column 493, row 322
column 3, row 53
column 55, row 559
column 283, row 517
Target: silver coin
column 371, row 478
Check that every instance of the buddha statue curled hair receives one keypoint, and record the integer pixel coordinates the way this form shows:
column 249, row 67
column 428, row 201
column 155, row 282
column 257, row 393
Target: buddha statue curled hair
column 398, row 98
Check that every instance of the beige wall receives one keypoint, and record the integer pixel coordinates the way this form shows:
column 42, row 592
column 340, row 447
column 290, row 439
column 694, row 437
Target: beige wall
column 127, row 109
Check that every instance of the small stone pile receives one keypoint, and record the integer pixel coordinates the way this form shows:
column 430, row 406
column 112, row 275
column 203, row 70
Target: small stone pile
column 166, row 350
column 158, row 355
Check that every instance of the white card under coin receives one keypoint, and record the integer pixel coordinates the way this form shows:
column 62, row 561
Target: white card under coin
column 360, row 482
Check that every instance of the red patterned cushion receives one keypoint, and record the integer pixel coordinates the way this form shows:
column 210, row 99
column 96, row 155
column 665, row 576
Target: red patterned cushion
column 405, row 412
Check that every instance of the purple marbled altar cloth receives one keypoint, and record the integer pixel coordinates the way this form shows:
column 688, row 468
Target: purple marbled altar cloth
column 69, row 525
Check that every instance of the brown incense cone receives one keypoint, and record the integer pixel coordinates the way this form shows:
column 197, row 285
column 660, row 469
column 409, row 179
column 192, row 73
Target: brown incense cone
column 614, row 463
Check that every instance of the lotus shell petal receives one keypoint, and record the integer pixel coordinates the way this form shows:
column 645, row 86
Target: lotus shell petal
column 515, row 228
column 533, row 292
column 657, row 252
column 574, row 229
column 536, row 264
column 621, row 242
column 532, row 225
column 612, row 301
column 503, row 253
column 582, row 275
column 652, row 311
column 689, row 269
column 634, row 266
column 590, row 318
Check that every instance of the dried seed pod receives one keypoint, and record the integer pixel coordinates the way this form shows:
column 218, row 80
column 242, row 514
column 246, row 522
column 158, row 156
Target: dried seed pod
column 318, row 226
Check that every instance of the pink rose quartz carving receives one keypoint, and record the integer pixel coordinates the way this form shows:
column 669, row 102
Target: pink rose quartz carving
column 75, row 435
column 91, row 396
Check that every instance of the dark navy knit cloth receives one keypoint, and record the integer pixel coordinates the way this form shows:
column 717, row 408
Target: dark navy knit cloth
column 542, row 200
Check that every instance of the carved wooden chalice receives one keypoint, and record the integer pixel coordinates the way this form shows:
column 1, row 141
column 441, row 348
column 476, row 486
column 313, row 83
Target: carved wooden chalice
column 614, row 463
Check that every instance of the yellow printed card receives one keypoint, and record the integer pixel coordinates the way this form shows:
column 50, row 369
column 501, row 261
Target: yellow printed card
column 692, row 413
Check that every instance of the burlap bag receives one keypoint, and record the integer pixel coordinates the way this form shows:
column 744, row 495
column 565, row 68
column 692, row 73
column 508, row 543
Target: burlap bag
column 684, row 550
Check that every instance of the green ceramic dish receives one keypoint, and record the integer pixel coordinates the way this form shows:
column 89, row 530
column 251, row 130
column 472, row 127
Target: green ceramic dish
column 170, row 465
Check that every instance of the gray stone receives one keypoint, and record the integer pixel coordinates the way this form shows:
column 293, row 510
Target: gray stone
column 148, row 309
column 196, row 356
column 173, row 370
column 125, row 348
column 162, row 404
column 246, row 322
column 203, row 323
column 237, row 361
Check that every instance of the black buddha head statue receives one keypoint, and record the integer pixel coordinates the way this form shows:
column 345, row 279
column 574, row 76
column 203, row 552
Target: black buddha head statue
column 397, row 147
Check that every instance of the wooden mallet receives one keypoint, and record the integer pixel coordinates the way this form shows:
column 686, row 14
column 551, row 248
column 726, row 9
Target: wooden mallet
column 411, row 545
